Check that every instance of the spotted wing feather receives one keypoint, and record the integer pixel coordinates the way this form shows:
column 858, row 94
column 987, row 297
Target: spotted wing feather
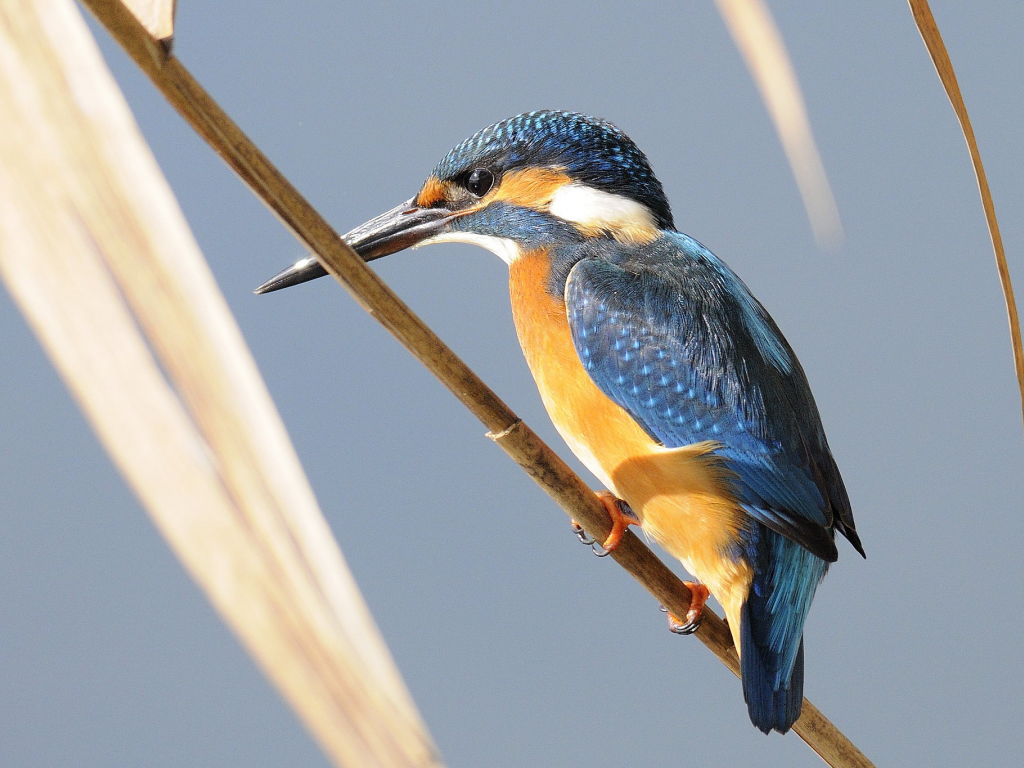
column 671, row 335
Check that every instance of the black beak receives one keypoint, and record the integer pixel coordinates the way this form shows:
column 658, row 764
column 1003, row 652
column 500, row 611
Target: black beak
column 402, row 227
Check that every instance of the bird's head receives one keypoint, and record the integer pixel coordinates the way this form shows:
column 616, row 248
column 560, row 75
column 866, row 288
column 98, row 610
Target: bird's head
column 538, row 179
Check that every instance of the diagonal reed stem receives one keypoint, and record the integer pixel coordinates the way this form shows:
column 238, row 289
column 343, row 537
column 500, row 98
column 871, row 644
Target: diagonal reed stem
column 504, row 427
column 944, row 67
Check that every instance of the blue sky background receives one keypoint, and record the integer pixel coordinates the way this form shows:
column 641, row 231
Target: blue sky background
column 520, row 648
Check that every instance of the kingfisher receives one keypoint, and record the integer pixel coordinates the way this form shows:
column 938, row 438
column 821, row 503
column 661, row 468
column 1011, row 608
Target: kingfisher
column 658, row 367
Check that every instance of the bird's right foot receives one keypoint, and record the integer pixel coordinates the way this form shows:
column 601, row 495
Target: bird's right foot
column 699, row 595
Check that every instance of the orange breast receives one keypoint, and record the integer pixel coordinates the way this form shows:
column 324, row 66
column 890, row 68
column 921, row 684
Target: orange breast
column 678, row 495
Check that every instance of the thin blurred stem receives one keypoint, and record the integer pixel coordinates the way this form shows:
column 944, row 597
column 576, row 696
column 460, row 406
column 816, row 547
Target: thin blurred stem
column 754, row 31
column 943, row 66
column 504, row 427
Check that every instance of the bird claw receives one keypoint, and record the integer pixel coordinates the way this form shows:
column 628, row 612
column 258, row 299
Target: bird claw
column 585, row 538
column 622, row 517
column 581, row 534
column 677, row 628
column 699, row 595
column 600, row 551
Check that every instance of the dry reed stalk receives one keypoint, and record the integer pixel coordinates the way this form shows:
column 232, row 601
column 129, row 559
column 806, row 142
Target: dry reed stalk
column 96, row 253
column 504, row 427
column 943, row 66
column 752, row 28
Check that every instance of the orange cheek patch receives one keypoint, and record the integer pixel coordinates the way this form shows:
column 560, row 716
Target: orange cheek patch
column 434, row 191
column 530, row 187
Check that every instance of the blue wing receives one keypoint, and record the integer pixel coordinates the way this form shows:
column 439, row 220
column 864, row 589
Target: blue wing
column 670, row 334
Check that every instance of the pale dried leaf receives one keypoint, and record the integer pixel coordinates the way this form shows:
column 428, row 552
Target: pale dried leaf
column 94, row 248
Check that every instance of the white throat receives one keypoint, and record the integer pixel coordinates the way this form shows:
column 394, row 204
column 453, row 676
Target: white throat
column 505, row 249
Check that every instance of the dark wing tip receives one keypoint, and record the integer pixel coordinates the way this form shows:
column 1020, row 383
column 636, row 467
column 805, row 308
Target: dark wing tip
column 300, row 272
column 851, row 534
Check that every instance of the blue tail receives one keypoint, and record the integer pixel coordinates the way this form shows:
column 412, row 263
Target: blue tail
column 771, row 629
column 770, row 708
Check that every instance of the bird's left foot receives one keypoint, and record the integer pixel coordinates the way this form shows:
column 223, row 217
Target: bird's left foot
column 622, row 517
column 699, row 595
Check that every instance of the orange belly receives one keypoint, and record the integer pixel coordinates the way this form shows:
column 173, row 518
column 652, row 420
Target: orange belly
column 681, row 498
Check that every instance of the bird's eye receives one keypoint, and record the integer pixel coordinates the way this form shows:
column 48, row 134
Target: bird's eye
column 480, row 181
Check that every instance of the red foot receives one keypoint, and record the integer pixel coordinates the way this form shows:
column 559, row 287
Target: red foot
column 620, row 522
column 698, row 596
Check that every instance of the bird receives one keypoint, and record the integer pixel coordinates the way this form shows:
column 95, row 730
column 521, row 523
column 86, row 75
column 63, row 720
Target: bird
column 661, row 371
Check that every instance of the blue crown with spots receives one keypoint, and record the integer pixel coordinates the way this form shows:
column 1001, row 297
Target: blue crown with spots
column 591, row 151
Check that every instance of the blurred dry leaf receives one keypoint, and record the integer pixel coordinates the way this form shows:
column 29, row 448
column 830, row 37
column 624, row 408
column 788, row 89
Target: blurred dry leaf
column 751, row 25
column 98, row 256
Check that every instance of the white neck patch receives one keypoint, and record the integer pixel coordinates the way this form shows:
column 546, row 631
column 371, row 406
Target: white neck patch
column 505, row 249
column 596, row 209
